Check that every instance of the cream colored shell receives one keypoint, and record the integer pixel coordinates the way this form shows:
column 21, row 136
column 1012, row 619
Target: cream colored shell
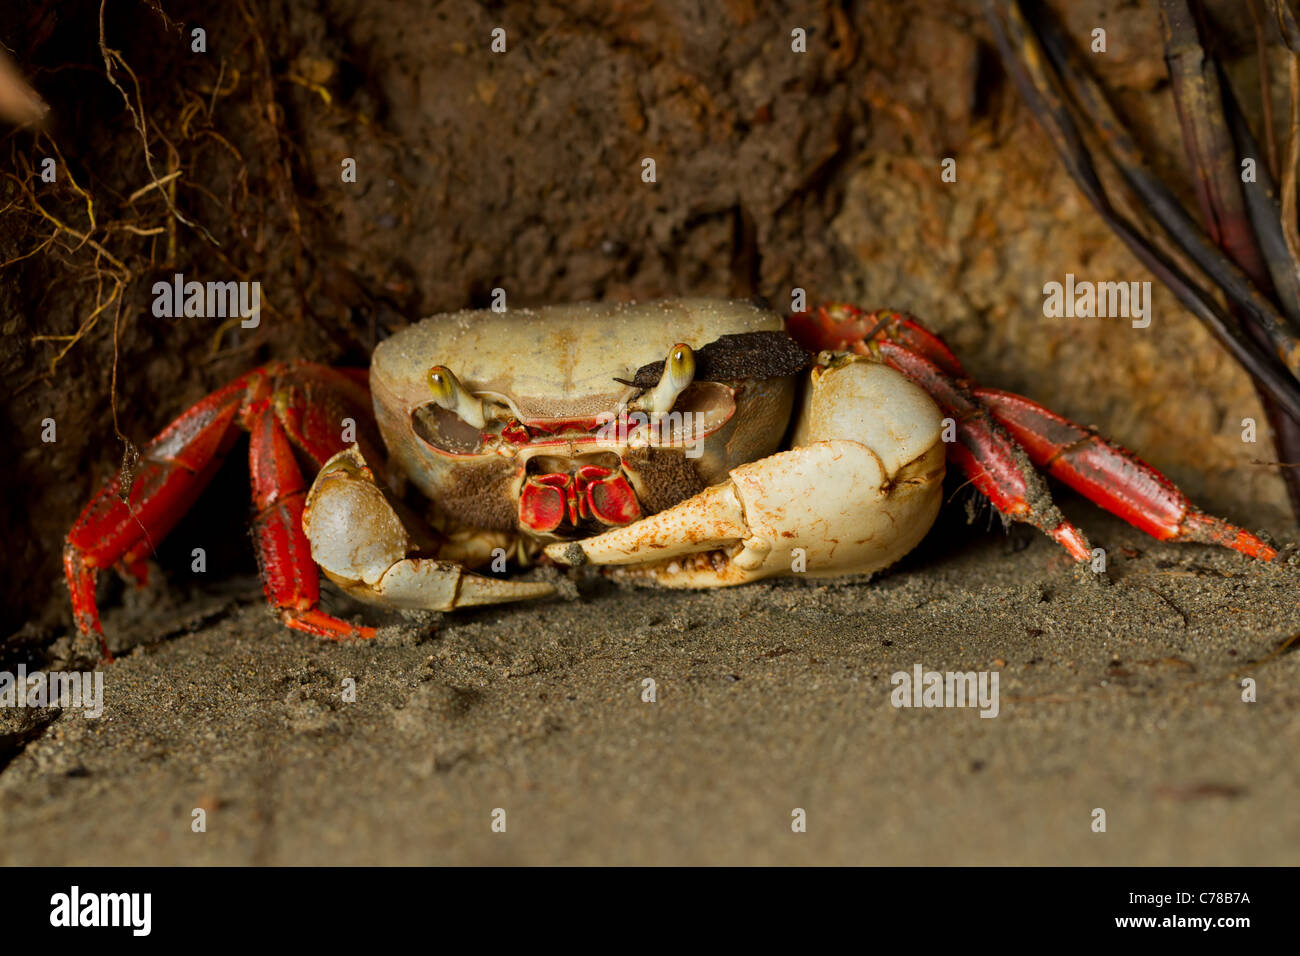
column 859, row 488
column 554, row 362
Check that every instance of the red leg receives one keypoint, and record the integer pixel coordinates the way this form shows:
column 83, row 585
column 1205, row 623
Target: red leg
column 289, row 576
column 312, row 401
column 841, row 326
column 174, row 469
column 990, row 458
column 1113, row 477
column 1107, row 474
column 301, row 402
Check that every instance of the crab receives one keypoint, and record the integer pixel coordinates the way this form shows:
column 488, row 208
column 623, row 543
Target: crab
column 687, row 443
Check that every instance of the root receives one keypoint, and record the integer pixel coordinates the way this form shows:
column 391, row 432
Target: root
column 82, row 230
column 199, row 206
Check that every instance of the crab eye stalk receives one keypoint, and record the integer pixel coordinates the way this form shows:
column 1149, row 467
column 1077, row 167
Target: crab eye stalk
column 679, row 372
column 450, row 394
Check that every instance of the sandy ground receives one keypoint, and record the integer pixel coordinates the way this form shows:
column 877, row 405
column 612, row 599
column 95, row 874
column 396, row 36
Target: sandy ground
column 770, row 697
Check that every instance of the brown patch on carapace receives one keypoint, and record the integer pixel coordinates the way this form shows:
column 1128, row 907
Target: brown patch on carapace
column 480, row 497
column 662, row 477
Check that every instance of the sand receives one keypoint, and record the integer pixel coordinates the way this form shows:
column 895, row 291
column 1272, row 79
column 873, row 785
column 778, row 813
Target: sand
column 1123, row 696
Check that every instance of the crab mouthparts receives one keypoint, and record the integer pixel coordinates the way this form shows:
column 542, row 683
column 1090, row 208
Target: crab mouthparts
column 589, row 493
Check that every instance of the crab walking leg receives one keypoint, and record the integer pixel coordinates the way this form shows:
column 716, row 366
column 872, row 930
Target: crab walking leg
column 841, row 326
column 995, row 464
column 1107, row 474
column 174, row 469
column 990, row 458
column 289, row 578
column 294, row 404
column 360, row 542
column 831, row 505
column 1113, row 477
column 314, row 402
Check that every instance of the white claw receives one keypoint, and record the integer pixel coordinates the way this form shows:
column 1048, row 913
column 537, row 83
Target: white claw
column 711, row 519
column 362, row 545
column 444, row 586
column 476, row 589
column 859, row 494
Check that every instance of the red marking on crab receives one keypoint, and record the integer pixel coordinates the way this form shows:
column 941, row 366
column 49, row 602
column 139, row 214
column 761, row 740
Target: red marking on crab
column 542, row 501
column 1001, row 437
column 591, row 492
column 516, row 433
column 606, row 496
column 525, row 433
column 557, row 426
column 1113, row 476
column 283, row 406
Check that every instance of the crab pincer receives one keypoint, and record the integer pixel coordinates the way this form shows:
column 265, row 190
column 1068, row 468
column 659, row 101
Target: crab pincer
column 1003, row 438
column 858, row 490
column 363, row 545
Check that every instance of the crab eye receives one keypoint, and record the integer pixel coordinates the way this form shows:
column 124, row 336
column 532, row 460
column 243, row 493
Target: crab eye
column 440, row 384
column 682, row 363
column 450, row 394
column 679, row 372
